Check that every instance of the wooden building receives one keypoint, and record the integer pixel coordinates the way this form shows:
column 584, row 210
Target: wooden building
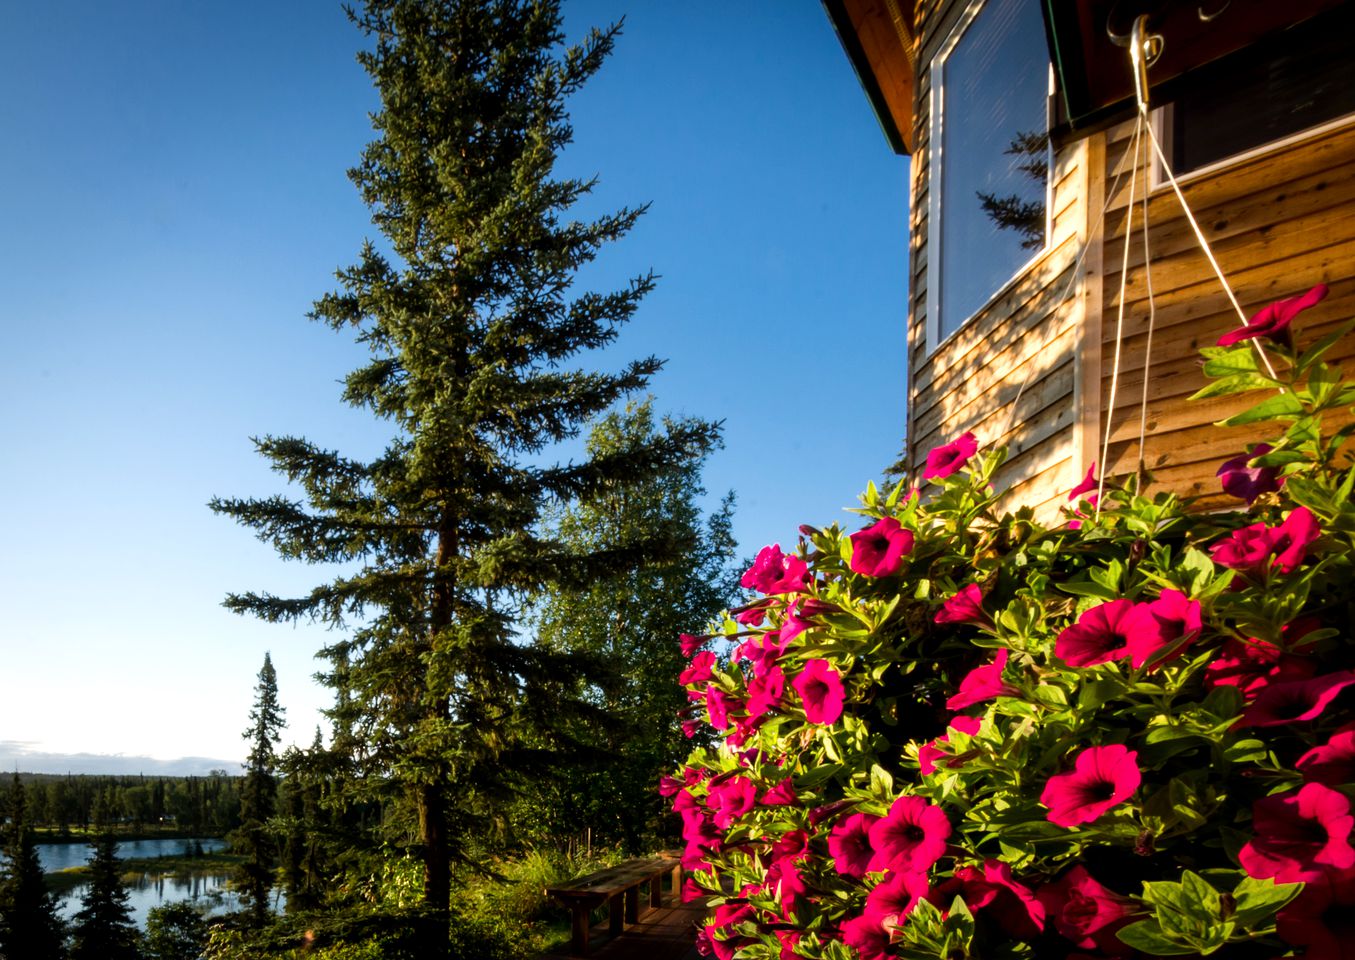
column 1019, row 118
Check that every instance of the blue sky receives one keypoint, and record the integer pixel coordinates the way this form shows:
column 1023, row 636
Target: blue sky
column 174, row 197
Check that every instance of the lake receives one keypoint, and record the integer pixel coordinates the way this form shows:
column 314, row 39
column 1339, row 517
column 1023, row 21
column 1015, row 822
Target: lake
column 150, row 890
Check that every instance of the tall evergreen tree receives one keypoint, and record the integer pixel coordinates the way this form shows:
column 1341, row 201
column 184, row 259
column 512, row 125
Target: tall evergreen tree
column 258, row 795
column 632, row 621
column 103, row 928
column 468, row 311
column 30, row 927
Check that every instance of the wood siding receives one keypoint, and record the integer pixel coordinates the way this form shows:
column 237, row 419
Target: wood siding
column 1024, row 343
column 1279, row 222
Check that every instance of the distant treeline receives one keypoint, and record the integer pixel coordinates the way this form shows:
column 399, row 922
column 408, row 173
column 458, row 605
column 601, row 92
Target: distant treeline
column 207, row 805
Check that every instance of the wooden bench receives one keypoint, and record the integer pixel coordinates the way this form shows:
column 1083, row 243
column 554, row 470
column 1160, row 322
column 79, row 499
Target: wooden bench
column 619, row 888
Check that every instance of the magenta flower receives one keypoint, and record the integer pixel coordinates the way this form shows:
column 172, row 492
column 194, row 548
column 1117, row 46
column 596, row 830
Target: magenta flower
column 765, row 692
column 966, row 606
column 1089, row 484
column 1015, row 907
column 781, row 795
column 730, row 799
column 849, row 844
column 690, row 644
column 1332, row 763
column 1292, row 539
column 1100, row 635
column 786, row 884
column 1299, row 835
column 878, row 550
column 718, row 704
column 1101, row 778
column 775, row 572
column 1272, row 321
column 1322, row 918
column 983, row 683
column 911, row 837
column 1253, row 665
column 1241, row 480
column 1170, row 621
column 1086, row 912
column 950, row 458
column 867, row 937
column 1246, row 550
column 820, row 689
column 929, row 753
column 894, row 897
column 699, row 670
column 1295, row 701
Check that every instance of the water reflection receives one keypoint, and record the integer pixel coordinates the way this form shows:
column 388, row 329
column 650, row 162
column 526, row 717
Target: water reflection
column 210, row 893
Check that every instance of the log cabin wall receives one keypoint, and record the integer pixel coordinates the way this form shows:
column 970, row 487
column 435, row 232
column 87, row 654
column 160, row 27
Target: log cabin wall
column 1280, row 219
column 1025, row 340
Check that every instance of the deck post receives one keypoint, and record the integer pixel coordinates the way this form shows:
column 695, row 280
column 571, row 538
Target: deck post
column 615, row 916
column 579, row 939
column 656, row 890
column 677, row 884
column 633, row 904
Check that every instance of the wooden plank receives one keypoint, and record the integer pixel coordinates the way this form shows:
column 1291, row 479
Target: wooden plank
column 1050, row 382
column 1087, row 313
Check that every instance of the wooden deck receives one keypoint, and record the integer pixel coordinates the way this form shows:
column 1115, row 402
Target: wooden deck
column 665, row 933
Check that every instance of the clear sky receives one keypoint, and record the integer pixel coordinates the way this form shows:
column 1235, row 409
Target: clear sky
column 172, row 198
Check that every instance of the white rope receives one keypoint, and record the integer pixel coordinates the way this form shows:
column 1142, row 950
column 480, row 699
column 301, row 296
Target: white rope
column 1148, row 346
column 1204, row 245
column 1119, row 321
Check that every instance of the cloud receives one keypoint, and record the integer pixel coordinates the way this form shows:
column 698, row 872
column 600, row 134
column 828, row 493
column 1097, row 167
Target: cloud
column 21, row 755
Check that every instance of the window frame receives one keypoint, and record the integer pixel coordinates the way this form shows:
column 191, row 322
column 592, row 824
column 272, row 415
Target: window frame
column 935, row 175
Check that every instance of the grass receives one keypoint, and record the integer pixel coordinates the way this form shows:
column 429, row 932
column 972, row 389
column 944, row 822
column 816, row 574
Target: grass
column 209, row 864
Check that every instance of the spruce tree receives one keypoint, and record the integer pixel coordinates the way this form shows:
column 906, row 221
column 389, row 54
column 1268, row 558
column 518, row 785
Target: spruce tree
column 30, row 927
column 258, row 795
column 468, row 310
column 103, row 927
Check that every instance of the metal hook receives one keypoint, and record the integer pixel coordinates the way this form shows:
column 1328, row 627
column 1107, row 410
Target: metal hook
column 1210, row 17
column 1144, row 49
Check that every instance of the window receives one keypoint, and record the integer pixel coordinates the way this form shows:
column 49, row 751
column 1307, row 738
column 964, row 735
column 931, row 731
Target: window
column 989, row 159
column 1297, row 79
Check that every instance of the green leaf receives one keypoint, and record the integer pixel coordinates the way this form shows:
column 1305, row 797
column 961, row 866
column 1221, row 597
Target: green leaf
column 1147, row 936
column 1229, row 361
column 1259, row 900
column 1227, row 386
column 881, row 781
column 1281, row 406
column 1322, row 345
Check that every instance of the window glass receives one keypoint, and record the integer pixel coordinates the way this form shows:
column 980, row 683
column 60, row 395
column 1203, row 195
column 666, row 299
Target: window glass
column 1300, row 78
column 992, row 166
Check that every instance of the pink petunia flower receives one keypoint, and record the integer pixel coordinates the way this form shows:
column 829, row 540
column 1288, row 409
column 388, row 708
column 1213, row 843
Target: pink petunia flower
column 788, row 940
column 730, row 799
column 699, row 670
column 1089, row 484
column 690, row 644
column 879, row 549
column 894, row 897
column 966, row 606
column 950, row 458
column 786, row 883
column 1246, row 550
column 983, row 683
column 1295, row 701
column 929, row 753
column 849, row 844
column 1273, row 320
column 911, row 837
column 775, row 572
column 867, row 937
column 1086, row 912
column 1299, row 835
column 1240, row 479
column 781, row 795
column 1332, row 763
column 1014, row 905
column 1101, row 778
column 717, row 706
column 1100, row 635
column 1292, row 539
column 1255, row 664
column 820, row 689
column 1321, row 918
column 765, row 692
column 1172, row 620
